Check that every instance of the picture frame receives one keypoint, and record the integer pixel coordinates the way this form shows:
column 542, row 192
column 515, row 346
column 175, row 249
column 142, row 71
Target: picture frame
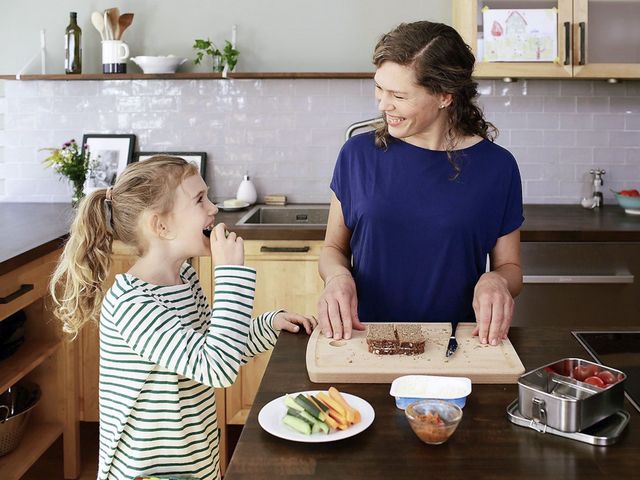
column 199, row 158
column 110, row 155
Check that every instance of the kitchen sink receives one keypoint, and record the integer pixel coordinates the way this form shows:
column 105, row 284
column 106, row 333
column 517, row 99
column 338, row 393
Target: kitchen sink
column 289, row 216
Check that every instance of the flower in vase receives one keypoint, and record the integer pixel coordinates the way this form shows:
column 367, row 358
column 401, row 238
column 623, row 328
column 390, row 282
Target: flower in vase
column 71, row 162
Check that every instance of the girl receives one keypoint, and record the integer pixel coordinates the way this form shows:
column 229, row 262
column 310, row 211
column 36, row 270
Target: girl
column 162, row 349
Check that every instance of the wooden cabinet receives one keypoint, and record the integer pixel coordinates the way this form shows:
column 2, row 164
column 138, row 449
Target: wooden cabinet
column 596, row 39
column 287, row 278
column 46, row 359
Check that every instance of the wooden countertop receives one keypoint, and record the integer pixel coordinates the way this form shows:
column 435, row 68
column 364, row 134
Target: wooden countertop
column 30, row 230
column 486, row 444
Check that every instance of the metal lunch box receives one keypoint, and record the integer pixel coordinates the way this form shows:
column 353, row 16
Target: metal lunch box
column 553, row 396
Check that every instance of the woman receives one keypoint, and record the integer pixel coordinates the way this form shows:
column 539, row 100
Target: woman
column 418, row 204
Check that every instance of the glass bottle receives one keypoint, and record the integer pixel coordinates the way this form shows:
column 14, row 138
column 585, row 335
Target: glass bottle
column 73, row 46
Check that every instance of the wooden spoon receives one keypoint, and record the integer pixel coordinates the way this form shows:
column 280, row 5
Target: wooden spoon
column 98, row 22
column 124, row 21
column 112, row 16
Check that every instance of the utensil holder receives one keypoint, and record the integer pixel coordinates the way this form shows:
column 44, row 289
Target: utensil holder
column 114, row 56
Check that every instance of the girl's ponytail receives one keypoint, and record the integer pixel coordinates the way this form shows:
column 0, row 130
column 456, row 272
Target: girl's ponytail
column 78, row 283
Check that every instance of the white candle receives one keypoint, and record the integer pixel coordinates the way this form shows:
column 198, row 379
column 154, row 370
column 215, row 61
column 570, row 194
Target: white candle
column 234, row 35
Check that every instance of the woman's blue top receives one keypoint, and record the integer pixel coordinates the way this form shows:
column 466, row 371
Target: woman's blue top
column 420, row 235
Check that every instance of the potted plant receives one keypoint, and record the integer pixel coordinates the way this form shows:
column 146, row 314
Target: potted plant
column 74, row 164
column 227, row 56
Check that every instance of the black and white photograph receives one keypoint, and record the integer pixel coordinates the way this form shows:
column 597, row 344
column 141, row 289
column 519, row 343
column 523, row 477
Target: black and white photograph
column 199, row 158
column 110, row 155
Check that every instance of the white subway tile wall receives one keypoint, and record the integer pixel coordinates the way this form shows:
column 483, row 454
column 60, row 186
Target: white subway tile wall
column 286, row 133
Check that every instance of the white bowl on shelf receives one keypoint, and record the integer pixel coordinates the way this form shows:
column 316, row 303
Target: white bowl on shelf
column 158, row 64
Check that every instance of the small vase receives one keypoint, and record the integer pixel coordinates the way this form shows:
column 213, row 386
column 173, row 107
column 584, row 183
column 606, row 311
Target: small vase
column 78, row 194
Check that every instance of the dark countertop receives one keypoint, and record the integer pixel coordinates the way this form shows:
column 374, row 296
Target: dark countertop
column 485, row 445
column 30, row 230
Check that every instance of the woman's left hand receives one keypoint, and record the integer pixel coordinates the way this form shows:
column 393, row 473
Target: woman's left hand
column 291, row 322
column 493, row 306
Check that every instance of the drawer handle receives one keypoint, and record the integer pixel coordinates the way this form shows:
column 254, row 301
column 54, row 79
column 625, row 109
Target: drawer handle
column 578, row 279
column 18, row 293
column 265, row 249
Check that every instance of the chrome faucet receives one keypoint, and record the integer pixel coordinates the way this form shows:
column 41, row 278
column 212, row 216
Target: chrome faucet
column 358, row 125
column 597, row 186
column 596, row 199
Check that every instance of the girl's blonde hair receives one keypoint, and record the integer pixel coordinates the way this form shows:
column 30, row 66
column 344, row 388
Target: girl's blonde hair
column 78, row 283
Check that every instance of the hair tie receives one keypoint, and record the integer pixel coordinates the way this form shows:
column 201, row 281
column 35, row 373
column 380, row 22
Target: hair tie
column 108, row 209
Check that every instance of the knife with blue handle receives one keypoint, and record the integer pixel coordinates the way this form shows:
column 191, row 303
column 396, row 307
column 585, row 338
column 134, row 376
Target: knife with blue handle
column 453, row 343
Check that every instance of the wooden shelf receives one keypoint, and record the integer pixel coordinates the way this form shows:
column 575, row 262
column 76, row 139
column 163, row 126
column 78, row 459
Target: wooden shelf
column 31, row 354
column 37, row 439
column 189, row 76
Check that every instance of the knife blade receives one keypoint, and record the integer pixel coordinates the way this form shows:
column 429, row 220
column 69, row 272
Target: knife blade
column 453, row 343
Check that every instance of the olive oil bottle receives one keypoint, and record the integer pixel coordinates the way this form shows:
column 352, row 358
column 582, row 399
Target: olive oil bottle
column 73, row 46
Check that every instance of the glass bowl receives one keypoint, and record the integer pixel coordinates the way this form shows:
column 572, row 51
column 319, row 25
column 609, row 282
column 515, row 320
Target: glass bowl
column 631, row 204
column 433, row 421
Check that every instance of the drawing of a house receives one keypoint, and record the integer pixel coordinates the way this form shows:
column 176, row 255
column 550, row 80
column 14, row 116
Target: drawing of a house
column 515, row 24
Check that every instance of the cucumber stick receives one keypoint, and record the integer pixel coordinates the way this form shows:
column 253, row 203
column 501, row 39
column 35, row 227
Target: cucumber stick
column 291, row 403
column 298, row 424
column 309, row 407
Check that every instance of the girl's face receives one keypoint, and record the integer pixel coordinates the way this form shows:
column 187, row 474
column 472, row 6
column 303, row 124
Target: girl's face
column 192, row 213
column 411, row 111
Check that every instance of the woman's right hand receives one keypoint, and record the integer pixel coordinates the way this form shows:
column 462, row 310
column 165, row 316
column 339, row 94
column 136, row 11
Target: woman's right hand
column 338, row 307
column 226, row 247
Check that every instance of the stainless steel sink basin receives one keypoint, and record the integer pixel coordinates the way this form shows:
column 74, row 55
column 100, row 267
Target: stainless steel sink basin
column 289, row 216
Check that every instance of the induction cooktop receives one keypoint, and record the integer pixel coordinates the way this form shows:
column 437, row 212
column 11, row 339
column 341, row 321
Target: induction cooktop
column 619, row 350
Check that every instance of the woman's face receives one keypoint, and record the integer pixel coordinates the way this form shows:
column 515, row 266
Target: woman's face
column 411, row 111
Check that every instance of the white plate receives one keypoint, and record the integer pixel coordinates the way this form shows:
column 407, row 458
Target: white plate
column 632, row 211
column 271, row 415
column 232, row 209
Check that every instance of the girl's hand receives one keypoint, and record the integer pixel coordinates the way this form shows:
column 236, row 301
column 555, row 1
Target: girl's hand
column 226, row 247
column 493, row 306
column 291, row 322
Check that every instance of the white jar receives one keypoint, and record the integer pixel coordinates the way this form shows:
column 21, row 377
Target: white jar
column 247, row 191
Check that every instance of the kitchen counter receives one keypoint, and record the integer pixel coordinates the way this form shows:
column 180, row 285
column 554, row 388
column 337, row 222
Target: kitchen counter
column 32, row 229
column 486, row 444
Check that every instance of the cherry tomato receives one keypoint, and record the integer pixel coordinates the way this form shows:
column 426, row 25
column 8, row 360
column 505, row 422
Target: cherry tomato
column 597, row 381
column 630, row 193
column 607, row 377
column 581, row 372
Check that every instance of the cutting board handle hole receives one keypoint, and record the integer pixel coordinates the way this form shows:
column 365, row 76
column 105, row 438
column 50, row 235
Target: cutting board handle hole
column 337, row 343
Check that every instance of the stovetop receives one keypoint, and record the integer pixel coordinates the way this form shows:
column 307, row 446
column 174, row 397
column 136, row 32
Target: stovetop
column 619, row 350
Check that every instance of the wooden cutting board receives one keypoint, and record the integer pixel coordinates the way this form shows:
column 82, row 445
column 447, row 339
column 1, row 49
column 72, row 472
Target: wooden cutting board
column 349, row 361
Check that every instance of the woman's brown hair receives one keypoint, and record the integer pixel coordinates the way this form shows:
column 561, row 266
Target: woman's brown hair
column 442, row 63
column 78, row 283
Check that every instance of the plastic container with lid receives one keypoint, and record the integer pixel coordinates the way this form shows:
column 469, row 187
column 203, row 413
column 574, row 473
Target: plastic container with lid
column 410, row 388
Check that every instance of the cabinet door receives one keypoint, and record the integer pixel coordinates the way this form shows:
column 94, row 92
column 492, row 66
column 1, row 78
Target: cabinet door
column 467, row 19
column 287, row 278
column 606, row 38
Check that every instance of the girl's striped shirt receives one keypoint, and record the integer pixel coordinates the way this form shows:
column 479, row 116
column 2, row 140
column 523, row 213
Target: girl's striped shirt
column 162, row 353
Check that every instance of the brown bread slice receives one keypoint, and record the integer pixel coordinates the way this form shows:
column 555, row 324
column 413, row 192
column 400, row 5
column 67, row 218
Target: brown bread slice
column 382, row 339
column 410, row 338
